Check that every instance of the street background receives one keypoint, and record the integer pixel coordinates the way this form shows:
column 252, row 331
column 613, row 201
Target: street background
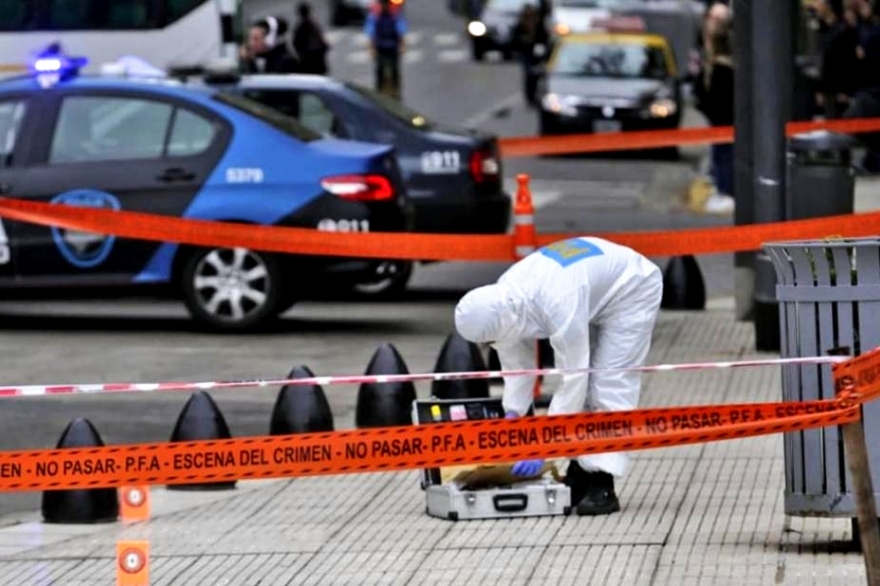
column 145, row 341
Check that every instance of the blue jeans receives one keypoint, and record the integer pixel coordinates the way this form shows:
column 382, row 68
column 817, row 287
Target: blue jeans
column 722, row 168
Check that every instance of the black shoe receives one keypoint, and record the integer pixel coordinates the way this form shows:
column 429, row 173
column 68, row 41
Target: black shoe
column 577, row 481
column 592, row 493
column 600, row 500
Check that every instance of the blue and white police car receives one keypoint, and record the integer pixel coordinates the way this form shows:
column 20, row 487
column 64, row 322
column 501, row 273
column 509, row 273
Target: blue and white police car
column 158, row 146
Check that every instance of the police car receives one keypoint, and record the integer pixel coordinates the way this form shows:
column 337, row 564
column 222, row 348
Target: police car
column 453, row 177
column 609, row 82
column 156, row 145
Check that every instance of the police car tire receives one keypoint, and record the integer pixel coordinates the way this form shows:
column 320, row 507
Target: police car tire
column 260, row 317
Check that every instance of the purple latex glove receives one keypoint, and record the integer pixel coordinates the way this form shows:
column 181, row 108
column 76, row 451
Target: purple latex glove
column 526, row 467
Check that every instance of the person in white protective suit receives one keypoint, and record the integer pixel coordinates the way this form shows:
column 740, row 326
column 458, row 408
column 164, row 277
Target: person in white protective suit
column 596, row 302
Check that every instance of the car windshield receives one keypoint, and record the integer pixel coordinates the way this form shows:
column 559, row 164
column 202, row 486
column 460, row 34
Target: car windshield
column 397, row 110
column 622, row 60
column 271, row 116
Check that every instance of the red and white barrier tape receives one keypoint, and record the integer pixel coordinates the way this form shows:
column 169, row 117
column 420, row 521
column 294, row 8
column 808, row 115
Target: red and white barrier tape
column 39, row 390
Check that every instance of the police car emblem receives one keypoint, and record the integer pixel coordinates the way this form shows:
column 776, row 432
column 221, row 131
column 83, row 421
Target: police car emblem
column 84, row 249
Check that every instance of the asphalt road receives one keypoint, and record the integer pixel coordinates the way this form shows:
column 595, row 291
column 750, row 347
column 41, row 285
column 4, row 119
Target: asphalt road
column 116, row 341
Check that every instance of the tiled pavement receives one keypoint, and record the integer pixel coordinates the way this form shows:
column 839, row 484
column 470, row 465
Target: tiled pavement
column 705, row 514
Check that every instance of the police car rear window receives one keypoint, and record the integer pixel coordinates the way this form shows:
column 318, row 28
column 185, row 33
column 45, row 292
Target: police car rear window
column 409, row 117
column 272, row 117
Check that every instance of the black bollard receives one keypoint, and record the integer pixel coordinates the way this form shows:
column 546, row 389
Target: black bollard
column 459, row 355
column 201, row 419
column 385, row 404
column 301, row 408
column 92, row 505
column 683, row 286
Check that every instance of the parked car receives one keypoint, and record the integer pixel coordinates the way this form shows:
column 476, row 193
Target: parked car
column 492, row 30
column 345, row 12
column 453, row 176
column 159, row 146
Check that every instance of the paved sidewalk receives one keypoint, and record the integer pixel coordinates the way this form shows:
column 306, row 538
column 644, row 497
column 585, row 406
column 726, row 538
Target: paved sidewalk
column 704, row 514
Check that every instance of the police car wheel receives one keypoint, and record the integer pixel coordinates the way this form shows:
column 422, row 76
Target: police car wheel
column 395, row 277
column 231, row 288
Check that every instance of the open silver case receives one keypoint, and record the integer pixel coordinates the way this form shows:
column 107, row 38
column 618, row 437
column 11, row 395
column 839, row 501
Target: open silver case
column 447, row 499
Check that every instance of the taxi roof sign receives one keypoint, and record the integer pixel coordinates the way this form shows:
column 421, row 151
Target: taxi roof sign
column 620, row 24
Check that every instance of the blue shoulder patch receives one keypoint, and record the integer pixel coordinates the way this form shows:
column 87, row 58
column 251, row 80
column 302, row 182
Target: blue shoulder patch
column 568, row 252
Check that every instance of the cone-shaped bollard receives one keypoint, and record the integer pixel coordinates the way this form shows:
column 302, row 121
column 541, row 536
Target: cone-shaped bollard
column 385, row 404
column 301, row 408
column 201, row 419
column 460, row 355
column 94, row 505
column 683, row 286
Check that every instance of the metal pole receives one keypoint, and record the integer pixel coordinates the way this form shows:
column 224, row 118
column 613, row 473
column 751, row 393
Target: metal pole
column 771, row 29
column 744, row 262
column 856, row 449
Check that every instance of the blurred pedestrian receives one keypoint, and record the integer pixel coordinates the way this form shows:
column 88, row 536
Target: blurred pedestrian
column 713, row 90
column 531, row 43
column 266, row 50
column 386, row 30
column 309, row 43
column 866, row 102
column 838, row 40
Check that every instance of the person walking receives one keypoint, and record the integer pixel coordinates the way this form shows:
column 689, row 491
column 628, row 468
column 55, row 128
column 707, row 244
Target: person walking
column 713, row 90
column 309, row 43
column 387, row 33
column 597, row 303
column 531, row 43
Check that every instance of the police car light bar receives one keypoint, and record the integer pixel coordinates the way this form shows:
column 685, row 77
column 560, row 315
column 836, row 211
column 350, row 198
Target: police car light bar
column 51, row 65
column 47, row 65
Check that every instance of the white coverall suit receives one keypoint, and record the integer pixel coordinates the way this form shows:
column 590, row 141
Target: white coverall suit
column 596, row 302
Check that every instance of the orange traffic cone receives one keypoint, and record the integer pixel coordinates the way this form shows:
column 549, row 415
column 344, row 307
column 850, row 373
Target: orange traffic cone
column 524, row 238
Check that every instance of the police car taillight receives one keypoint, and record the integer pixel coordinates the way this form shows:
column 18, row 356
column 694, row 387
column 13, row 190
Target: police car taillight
column 484, row 165
column 360, row 187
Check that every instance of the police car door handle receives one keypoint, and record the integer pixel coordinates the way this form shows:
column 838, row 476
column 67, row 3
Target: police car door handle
column 176, row 174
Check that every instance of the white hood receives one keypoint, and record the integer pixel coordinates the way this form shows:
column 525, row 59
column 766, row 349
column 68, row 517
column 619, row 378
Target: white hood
column 492, row 313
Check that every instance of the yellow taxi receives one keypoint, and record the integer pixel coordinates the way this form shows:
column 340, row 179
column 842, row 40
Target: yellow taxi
column 609, row 81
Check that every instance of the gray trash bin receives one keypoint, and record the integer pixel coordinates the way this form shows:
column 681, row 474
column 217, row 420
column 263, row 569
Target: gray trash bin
column 821, row 178
column 829, row 297
column 820, row 181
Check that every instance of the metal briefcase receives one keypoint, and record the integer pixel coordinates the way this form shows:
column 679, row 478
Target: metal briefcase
column 447, row 500
column 536, row 498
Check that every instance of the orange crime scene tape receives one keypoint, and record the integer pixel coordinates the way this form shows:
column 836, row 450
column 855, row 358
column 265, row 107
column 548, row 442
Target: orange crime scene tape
column 409, row 246
column 434, row 445
column 408, row 447
column 621, row 141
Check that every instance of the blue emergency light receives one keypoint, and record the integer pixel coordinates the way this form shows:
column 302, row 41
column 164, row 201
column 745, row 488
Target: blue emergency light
column 52, row 66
